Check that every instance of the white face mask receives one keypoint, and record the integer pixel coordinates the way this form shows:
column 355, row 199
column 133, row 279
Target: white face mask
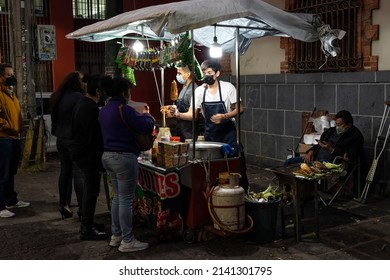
column 180, row 79
column 340, row 129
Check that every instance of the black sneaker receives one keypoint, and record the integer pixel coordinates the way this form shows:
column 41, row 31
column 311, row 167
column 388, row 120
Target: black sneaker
column 92, row 234
column 99, row 227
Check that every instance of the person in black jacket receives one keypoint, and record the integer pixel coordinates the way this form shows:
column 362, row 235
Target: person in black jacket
column 344, row 140
column 86, row 150
column 62, row 103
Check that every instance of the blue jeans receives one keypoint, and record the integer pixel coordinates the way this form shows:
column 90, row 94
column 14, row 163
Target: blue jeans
column 10, row 152
column 123, row 170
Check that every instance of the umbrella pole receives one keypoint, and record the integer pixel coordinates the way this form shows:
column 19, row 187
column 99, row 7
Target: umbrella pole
column 238, row 86
column 193, row 94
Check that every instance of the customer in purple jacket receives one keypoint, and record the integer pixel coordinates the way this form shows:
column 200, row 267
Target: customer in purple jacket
column 120, row 156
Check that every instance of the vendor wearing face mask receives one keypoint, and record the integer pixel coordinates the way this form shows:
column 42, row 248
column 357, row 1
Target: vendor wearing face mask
column 184, row 127
column 217, row 101
column 344, row 139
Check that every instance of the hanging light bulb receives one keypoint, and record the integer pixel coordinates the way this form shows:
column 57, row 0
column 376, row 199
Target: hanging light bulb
column 215, row 47
column 138, row 46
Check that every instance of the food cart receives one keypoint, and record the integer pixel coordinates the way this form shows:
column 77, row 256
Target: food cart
column 173, row 200
column 160, row 200
column 176, row 196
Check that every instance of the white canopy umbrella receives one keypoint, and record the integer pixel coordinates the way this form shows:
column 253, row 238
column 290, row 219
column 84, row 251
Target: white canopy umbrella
column 255, row 19
column 236, row 22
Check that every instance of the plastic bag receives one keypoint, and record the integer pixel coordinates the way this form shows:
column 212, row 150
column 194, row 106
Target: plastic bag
column 228, row 150
column 321, row 123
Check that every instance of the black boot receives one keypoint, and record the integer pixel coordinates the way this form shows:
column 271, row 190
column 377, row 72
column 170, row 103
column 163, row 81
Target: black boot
column 80, row 214
column 99, row 227
column 92, row 234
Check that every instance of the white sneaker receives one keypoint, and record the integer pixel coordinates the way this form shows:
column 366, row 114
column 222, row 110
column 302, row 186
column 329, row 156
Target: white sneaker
column 133, row 246
column 115, row 241
column 19, row 204
column 6, row 214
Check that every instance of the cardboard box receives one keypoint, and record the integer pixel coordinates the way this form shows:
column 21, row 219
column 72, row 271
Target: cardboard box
column 183, row 159
column 169, row 148
column 184, row 148
column 302, row 148
column 167, row 161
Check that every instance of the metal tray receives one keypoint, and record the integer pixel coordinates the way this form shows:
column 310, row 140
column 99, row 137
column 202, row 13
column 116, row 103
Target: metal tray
column 206, row 150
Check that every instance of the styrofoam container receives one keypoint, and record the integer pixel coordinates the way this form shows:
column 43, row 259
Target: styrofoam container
column 310, row 139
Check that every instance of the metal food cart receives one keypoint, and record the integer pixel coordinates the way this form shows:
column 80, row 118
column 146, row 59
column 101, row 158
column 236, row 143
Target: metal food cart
column 173, row 201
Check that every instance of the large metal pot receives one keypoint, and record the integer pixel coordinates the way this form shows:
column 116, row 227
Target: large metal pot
column 206, row 150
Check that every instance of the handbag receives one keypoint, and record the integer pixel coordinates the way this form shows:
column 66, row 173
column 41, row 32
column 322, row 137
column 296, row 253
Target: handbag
column 144, row 141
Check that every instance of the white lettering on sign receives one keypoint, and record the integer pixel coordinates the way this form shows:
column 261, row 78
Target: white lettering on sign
column 164, row 185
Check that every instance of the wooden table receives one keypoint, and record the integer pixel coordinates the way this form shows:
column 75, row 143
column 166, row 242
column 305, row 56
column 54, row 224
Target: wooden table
column 300, row 189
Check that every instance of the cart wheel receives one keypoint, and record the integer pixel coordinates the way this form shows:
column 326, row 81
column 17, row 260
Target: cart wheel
column 207, row 235
column 189, row 236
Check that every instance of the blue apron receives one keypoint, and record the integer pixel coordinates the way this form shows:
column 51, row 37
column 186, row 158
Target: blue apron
column 224, row 132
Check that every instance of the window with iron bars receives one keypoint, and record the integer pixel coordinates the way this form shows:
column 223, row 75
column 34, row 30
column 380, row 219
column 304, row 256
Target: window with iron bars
column 89, row 9
column 39, row 7
column 352, row 16
column 89, row 55
column 3, row 6
column 6, row 51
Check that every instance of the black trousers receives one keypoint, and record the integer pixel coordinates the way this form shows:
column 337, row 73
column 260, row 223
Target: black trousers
column 10, row 152
column 91, row 178
column 68, row 172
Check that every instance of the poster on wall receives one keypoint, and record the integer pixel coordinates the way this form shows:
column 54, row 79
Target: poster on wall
column 47, row 42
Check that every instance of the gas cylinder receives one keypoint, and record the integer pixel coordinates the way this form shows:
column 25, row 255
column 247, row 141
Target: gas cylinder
column 229, row 207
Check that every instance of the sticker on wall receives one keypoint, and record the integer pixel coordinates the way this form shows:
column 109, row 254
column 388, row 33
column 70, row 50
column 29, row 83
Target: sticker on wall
column 47, row 42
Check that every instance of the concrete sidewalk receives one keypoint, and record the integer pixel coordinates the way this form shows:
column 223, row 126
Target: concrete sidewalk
column 349, row 230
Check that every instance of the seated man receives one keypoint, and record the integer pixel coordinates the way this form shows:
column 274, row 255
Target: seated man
column 343, row 140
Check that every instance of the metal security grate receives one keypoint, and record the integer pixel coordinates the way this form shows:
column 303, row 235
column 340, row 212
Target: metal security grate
column 90, row 57
column 2, row 6
column 5, row 51
column 40, row 7
column 43, row 73
column 339, row 14
column 89, row 9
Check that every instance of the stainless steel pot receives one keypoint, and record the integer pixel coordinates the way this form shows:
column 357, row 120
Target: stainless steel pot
column 206, row 150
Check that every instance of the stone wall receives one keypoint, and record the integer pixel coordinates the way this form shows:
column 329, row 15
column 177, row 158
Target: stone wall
column 273, row 104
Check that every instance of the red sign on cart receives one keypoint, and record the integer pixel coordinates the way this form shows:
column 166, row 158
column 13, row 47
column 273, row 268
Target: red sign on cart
column 164, row 185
